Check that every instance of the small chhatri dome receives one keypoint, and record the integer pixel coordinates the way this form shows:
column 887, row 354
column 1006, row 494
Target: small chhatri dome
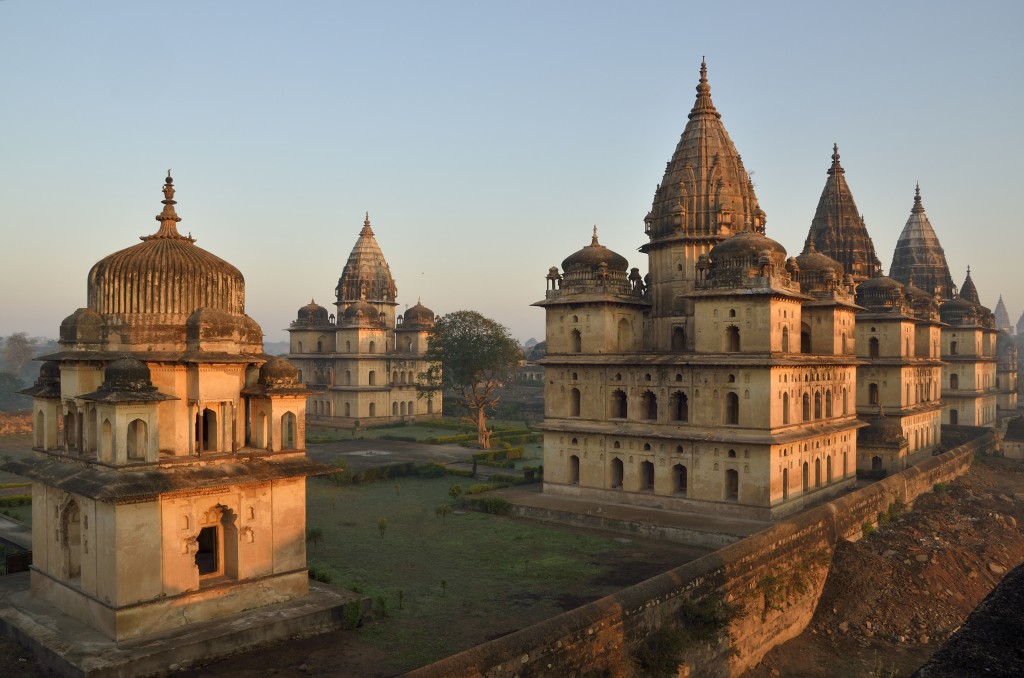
column 881, row 293
column 418, row 315
column 279, row 372
column 747, row 246
column 882, row 431
column 127, row 375
column 165, row 275
column 592, row 256
column 812, row 260
column 362, row 313
column 313, row 314
column 959, row 311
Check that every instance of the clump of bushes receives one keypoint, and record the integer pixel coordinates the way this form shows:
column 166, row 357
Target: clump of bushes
column 16, row 500
column 494, row 505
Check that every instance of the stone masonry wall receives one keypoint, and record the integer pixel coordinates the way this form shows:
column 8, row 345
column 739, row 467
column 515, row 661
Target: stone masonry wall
column 763, row 590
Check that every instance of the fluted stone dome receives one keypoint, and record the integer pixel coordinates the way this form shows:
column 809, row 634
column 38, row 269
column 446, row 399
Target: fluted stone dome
column 278, row 372
column 881, row 293
column 165, row 275
column 746, row 247
column 127, row 374
column 362, row 312
column 592, row 256
column 918, row 257
column 418, row 315
column 959, row 311
column 813, row 261
column 366, row 274
column 313, row 314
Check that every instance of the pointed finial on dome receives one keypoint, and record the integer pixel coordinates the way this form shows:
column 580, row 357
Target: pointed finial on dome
column 366, row 230
column 168, row 218
column 918, row 207
column 703, row 104
column 836, row 167
column 593, row 240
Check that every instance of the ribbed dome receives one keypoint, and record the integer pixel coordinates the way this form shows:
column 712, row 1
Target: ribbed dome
column 705, row 186
column 166, row 274
column 958, row 311
column 279, row 372
column 362, row 312
column 418, row 315
column 814, row 261
column 838, row 230
column 592, row 256
column 313, row 314
column 880, row 293
column 919, row 257
column 747, row 246
column 366, row 274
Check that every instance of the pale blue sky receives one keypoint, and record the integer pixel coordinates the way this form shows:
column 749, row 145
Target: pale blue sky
column 484, row 139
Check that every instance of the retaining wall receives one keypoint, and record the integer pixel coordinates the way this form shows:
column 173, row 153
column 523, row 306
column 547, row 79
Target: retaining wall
column 769, row 583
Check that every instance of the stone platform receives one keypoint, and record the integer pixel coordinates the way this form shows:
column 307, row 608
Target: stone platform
column 72, row 649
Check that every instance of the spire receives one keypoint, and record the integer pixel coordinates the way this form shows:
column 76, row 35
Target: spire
column 168, row 218
column 593, row 240
column 968, row 290
column 366, row 272
column 838, row 230
column 366, row 226
column 918, row 207
column 703, row 104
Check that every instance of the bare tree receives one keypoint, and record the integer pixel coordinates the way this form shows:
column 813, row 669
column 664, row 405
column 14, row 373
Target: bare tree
column 18, row 351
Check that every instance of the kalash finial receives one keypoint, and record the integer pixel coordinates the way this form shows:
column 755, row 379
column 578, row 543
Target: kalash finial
column 918, row 207
column 168, row 218
column 366, row 226
column 593, row 240
column 836, row 167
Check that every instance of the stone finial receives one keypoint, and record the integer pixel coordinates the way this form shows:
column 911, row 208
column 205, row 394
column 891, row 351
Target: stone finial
column 703, row 104
column 168, row 217
column 366, row 230
column 836, row 168
column 593, row 240
column 918, row 207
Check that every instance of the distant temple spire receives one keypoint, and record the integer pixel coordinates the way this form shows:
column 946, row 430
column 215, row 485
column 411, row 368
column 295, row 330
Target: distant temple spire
column 919, row 256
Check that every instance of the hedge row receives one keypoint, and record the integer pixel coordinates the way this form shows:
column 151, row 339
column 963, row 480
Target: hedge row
column 378, row 473
column 504, row 454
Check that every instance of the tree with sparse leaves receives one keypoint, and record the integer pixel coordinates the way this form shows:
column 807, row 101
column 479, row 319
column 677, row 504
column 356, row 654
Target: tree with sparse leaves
column 471, row 356
column 18, row 350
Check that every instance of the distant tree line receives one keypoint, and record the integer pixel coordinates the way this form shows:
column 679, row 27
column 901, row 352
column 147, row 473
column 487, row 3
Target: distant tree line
column 18, row 368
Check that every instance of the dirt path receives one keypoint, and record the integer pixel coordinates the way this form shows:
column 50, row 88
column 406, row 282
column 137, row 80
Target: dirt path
column 892, row 598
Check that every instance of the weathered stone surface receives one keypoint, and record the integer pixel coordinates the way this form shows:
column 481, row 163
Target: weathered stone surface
column 838, row 229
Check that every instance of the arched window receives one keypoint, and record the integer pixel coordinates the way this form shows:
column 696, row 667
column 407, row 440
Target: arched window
column 846, row 403
column 679, row 407
column 288, row 431
column 876, row 463
column 785, row 484
column 873, row 347
column 873, row 394
column 953, row 348
column 678, row 339
column 650, row 406
column 806, row 478
column 373, row 347
column 806, row 400
column 402, row 408
column 647, row 476
column 71, row 540
column 679, row 479
column 394, row 409
column 732, row 339
column 732, row 485
column 574, row 470
column 785, row 408
column 785, row 340
column 575, row 342
column 348, row 409
column 373, row 409
column 817, row 406
column 828, row 403
column 137, row 439
column 372, row 377
column 805, row 338
column 954, row 381
column 574, row 402
column 619, row 410
column 300, row 348
column 616, row 473
column 732, row 409
column 954, row 417
column 348, row 377
column 319, row 345
column 817, row 472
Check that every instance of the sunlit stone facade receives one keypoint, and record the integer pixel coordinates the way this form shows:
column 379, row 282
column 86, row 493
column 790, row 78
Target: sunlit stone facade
column 168, row 478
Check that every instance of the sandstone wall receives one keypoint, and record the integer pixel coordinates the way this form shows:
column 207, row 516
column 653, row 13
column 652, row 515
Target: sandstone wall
column 766, row 585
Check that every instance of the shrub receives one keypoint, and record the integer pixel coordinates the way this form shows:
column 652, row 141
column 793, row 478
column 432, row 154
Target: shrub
column 494, row 505
column 660, row 653
column 317, row 573
column 431, row 470
column 940, row 488
column 16, row 500
column 867, row 529
column 477, row 488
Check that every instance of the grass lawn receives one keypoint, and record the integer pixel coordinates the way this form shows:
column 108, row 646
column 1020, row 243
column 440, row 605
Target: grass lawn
column 443, row 585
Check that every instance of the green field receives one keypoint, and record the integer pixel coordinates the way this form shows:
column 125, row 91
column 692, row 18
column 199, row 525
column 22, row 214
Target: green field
column 440, row 585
